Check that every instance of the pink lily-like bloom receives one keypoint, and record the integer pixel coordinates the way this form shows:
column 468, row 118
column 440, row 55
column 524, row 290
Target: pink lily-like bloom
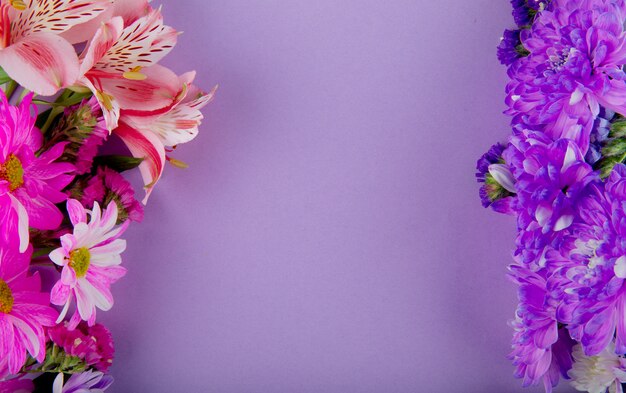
column 90, row 257
column 24, row 311
column 31, row 185
column 118, row 66
column 148, row 134
column 32, row 52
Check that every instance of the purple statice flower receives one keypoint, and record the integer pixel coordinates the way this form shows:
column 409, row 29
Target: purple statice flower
column 88, row 381
column 510, row 48
column 525, row 11
column 521, row 13
column 591, row 268
column 576, row 52
column 541, row 350
column 92, row 344
column 498, row 185
column 599, row 135
column 110, row 186
column 83, row 129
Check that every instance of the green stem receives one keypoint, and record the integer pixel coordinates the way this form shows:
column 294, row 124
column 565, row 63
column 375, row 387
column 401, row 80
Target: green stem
column 10, row 89
column 54, row 112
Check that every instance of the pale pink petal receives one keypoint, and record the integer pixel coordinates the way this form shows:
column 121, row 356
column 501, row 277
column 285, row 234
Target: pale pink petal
column 60, row 293
column 76, row 211
column 102, row 41
column 41, row 62
column 148, row 147
column 54, row 16
column 58, row 256
column 143, row 43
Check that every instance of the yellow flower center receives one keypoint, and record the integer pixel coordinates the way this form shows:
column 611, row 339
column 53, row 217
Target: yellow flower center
column 135, row 74
column 6, row 298
column 18, row 5
column 105, row 99
column 13, row 172
column 80, row 260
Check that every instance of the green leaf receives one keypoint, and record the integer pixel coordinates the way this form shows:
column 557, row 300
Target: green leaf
column 118, row 163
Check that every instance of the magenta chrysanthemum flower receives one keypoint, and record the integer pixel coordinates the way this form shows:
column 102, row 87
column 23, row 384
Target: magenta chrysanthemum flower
column 108, row 185
column 541, row 351
column 24, row 311
column 90, row 258
column 17, row 386
column 31, row 184
column 576, row 52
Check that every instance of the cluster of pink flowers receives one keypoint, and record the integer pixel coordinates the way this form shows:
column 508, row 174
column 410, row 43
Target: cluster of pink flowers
column 76, row 76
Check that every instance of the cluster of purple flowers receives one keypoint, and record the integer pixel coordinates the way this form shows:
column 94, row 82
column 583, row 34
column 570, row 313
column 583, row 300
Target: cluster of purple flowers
column 562, row 175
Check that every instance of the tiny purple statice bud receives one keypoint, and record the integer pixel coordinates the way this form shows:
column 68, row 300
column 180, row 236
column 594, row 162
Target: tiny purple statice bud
column 511, row 48
column 498, row 185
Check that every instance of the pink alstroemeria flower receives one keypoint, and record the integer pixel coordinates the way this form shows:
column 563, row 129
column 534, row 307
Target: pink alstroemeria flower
column 24, row 311
column 148, row 134
column 31, row 50
column 90, row 257
column 118, row 66
column 31, row 185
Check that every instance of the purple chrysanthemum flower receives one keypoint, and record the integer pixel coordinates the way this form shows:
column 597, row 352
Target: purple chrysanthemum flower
column 576, row 52
column 592, row 268
column 549, row 184
column 498, row 185
column 510, row 48
column 550, row 179
column 541, row 350
column 88, row 381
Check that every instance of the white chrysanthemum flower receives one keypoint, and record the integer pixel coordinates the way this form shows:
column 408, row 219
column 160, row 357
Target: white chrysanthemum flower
column 594, row 374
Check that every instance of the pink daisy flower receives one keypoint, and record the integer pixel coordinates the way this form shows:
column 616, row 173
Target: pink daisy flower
column 90, row 257
column 31, row 185
column 24, row 311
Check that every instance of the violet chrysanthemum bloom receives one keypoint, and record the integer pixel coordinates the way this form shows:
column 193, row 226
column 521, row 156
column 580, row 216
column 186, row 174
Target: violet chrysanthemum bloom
column 92, row 344
column 108, row 185
column 541, row 351
column 598, row 373
column 591, row 268
column 576, row 52
column 31, row 184
column 498, row 185
column 89, row 381
column 549, row 183
column 90, row 257
column 24, row 311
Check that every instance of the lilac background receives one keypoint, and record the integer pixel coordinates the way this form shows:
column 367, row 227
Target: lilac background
column 328, row 236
